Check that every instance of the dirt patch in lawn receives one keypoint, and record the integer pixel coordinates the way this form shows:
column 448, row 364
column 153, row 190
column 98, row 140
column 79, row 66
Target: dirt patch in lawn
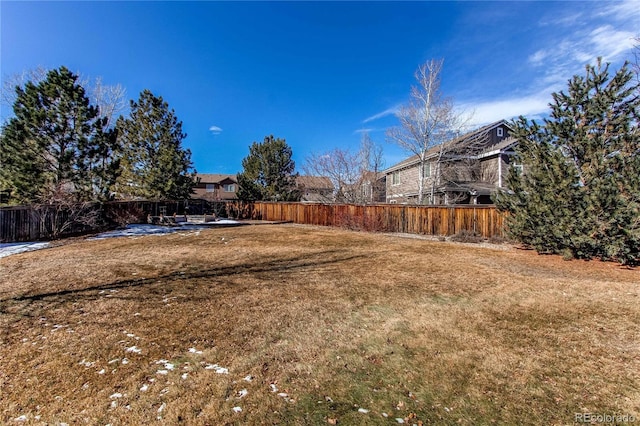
column 304, row 325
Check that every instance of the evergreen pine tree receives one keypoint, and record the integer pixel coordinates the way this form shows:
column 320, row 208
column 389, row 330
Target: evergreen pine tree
column 154, row 164
column 104, row 160
column 268, row 172
column 580, row 193
column 46, row 146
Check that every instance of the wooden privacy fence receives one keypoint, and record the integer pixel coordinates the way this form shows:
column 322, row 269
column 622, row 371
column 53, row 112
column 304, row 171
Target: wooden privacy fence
column 45, row 222
column 486, row 221
column 25, row 223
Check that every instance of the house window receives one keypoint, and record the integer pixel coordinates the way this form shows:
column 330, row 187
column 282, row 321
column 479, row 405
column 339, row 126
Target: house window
column 500, row 132
column 426, row 170
column 366, row 190
column 517, row 167
column 229, row 187
column 395, row 178
column 211, row 187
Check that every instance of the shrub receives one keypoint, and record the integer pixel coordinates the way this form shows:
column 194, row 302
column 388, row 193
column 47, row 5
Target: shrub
column 466, row 236
column 579, row 194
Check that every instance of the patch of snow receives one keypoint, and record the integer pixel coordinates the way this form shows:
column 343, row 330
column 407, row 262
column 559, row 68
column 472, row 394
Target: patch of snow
column 184, row 376
column 131, row 231
column 162, row 407
column 138, row 230
column 7, row 249
column 163, row 372
column 194, row 351
column 243, row 393
column 248, row 378
column 237, row 409
column 102, row 371
column 144, row 388
column 399, row 420
column 116, row 395
column 217, row 368
column 134, row 349
column 363, row 410
column 21, row 418
column 125, row 361
column 283, row 395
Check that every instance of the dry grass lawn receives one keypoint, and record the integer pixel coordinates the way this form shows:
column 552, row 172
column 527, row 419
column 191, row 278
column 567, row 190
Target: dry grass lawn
column 289, row 324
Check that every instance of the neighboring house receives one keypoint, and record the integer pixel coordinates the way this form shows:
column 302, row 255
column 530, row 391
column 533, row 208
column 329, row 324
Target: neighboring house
column 321, row 189
column 215, row 187
column 315, row 189
column 465, row 170
column 370, row 189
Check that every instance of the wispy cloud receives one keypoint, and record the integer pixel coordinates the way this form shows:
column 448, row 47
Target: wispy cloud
column 613, row 42
column 215, row 130
column 577, row 39
column 531, row 106
column 389, row 111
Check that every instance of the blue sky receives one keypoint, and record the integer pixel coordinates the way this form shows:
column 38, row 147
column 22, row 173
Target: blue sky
column 316, row 73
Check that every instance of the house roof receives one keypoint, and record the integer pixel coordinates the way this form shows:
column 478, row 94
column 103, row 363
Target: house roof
column 314, row 182
column 461, row 141
column 213, row 177
column 503, row 145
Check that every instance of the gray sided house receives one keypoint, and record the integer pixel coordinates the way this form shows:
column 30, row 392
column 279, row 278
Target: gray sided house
column 215, row 187
column 464, row 170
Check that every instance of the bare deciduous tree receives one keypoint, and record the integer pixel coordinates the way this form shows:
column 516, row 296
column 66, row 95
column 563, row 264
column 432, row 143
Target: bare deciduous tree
column 427, row 121
column 459, row 164
column 110, row 99
column 354, row 175
column 371, row 165
column 8, row 94
column 59, row 212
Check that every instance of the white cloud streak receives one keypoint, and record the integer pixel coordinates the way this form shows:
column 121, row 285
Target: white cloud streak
column 569, row 42
column 531, row 106
column 580, row 39
column 607, row 33
column 389, row 111
column 215, row 130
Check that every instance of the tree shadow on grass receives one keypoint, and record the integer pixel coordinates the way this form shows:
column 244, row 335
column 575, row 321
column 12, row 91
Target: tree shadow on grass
column 282, row 265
